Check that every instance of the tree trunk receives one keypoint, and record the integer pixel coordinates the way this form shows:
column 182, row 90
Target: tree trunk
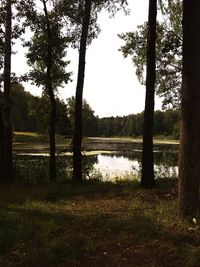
column 52, row 165
column 8, row 160
column 1, row 144
column 147, row 179
column 77, row 138
column 189, row 153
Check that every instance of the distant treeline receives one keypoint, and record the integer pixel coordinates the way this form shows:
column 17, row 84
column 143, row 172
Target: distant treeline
column 165, row 123
column 31, row 113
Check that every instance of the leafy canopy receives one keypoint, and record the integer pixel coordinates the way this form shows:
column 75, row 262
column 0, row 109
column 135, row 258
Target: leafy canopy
column 34, row 19
column 168, row 52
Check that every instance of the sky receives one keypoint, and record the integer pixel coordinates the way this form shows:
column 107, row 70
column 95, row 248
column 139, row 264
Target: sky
column 111, row 86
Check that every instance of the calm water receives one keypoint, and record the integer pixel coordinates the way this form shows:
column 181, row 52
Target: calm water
column 103, row 166
column 128, row 166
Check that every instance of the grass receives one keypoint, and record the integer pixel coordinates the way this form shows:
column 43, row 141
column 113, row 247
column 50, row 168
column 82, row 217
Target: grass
column 20, row 137
column 161, row 139
column 30, row 137
column 95, row 224
column 38, row 137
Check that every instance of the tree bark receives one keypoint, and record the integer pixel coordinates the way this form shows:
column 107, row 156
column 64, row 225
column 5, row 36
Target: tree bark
column 147, row 179
column 77, row 138
column 52, row 165
column 1, row 144
column 189, row 153
column 8, row 158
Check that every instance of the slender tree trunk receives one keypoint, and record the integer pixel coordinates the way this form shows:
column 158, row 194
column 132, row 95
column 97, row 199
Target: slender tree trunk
column 8, row 160
column 77, row 138
column 189, row 153
column 52, row 166
column 147, row 179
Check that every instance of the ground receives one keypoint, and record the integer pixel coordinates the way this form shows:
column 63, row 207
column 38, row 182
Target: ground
column 32, row 142
column 95, row 224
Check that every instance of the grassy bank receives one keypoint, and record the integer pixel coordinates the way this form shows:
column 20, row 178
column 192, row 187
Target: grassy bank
column 161, row 139
column 21, row 137
column 28, row 141
column 95, row 225
column 38, row 137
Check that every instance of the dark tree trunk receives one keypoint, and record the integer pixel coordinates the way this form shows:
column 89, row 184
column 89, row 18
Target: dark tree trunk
column 77, row 138
column 1, row 144
column 189, row 153
column 52, row 166
column 8, row 160
column 147, row 179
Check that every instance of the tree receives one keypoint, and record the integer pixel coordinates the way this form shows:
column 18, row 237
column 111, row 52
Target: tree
column 169, row 52
column 2, row 32
column 49, row 88
column 7, row 138
column 47, row 49
column 1, row 139
column 31, row 113
column 82, row 24
column 89, row 119
column 77, row 139
column 147, row 178
column 19, row 100
column 8, row 32
column 63, row 124
column 1, row 98
column 189, row 154
column 87, row 34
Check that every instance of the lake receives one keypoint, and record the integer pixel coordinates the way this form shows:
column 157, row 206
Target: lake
column 99, row 165
column 127, row 166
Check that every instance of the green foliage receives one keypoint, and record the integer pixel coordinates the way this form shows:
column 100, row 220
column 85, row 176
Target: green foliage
column 30, row 170
column 37, row 46
column 17, row 30
column 72, row 16
column 89, row 119
column 165, row 123
column 20, row 110
column 24, row 170
column 176, row 130
column 168, row 52
column 31, row 113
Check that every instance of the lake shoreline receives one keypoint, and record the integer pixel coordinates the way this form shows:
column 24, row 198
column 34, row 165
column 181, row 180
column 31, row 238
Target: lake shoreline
column 97, row 144
column 104, row 159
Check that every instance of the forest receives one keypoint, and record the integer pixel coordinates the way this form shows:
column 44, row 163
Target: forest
column 77, row 189
column 31, row 113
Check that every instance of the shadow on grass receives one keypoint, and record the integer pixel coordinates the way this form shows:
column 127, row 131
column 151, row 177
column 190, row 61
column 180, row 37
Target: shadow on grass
column 18, row 193
column 37, row 234
column 92, row 225
column 41, row 236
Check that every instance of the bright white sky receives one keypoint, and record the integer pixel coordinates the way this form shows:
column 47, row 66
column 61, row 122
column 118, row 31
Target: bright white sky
column 111, row 86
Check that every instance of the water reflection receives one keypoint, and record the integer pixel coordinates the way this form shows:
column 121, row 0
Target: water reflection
column 128, row 165
column 102, row 166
